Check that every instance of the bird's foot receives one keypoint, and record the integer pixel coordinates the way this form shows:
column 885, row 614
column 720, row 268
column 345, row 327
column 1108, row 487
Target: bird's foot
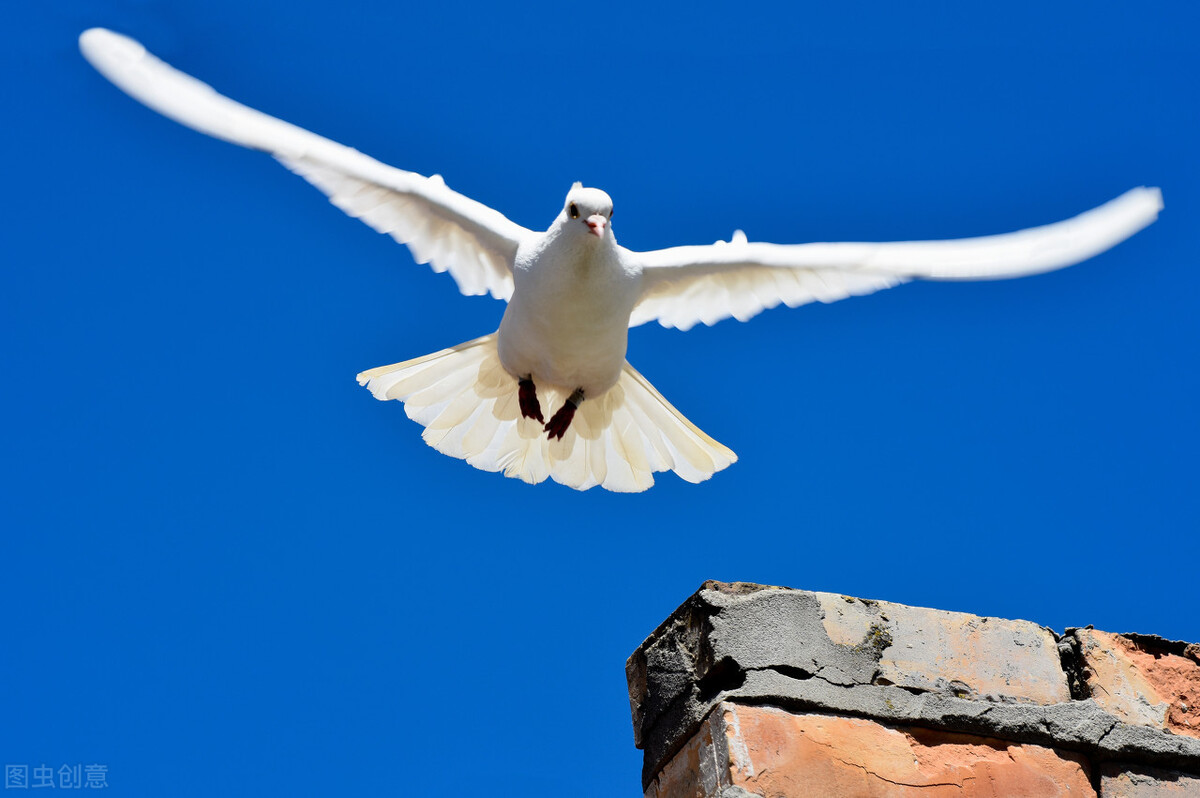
column 527, row 397
column 557, row 426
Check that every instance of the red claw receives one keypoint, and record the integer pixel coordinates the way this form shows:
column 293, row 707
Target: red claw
column 560, row 421
column 527, row 397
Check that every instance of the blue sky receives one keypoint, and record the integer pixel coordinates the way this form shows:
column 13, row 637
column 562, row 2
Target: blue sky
column 228, row 570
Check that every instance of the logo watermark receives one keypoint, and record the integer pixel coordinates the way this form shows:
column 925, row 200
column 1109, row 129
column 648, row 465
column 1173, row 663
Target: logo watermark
column 67, row 777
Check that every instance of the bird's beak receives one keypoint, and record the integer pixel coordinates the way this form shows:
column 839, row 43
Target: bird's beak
column 596, row 224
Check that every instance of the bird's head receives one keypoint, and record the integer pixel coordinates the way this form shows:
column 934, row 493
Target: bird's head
column 590, row 208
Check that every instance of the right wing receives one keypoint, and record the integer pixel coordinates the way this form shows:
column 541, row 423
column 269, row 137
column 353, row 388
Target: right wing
column 453, row 233
column 685, row 285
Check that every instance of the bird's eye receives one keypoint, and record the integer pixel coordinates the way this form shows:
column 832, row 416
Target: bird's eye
column 574, row 211
column 610, row 213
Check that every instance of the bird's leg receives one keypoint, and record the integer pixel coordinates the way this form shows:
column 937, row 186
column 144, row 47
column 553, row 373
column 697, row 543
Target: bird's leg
column 557, row 427
column 527, row 397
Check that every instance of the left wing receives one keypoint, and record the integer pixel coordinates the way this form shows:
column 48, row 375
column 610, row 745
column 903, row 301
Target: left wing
column 685, row 285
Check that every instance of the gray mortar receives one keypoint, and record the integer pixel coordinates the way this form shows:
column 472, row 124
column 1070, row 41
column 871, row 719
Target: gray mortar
column 1144, row 781
column 736, row 643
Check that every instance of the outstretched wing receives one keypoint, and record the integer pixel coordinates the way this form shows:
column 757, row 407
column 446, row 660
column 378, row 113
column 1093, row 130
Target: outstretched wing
column 685, row 285
column 442, row 227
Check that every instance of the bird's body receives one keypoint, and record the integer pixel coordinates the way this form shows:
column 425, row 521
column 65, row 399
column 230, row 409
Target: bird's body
column 567, row 324
column 573, row 293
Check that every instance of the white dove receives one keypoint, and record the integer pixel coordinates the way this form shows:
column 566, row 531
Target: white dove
column 573, row 293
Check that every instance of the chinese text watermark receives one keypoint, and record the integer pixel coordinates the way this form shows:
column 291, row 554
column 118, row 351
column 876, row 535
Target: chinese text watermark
column 68, row 777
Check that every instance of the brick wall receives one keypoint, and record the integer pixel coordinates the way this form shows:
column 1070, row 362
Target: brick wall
column 748, row 690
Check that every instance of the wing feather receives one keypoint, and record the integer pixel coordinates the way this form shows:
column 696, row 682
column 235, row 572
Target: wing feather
column 451, row 232
column 683, row 286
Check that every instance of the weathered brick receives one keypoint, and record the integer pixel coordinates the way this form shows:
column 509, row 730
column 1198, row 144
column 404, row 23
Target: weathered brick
column 951, row 686
column 768, row 752
column 1141, row 682
column 966, row 655
column 693, row 771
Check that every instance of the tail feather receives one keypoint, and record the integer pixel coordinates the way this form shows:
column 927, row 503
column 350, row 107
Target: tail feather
column 468, row 405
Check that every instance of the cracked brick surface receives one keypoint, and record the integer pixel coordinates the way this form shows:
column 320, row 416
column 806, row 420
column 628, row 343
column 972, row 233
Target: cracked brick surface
column 768, row 752
column 1144, row 681
column 876, row 670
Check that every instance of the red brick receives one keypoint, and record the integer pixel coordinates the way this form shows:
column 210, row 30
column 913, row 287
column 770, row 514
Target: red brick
column 1142, row 685
column 776, row 754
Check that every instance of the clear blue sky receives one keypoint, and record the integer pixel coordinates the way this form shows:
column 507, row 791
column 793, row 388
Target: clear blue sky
column 229, row 571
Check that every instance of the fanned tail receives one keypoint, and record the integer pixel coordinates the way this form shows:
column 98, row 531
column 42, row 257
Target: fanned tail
column 468, row 405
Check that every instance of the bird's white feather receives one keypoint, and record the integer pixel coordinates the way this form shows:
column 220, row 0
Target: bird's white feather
column 682, row 286
column 453, row 233
column 468, row 405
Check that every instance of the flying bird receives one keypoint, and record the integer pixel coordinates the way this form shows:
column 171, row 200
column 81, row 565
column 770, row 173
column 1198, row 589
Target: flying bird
column 550, row 394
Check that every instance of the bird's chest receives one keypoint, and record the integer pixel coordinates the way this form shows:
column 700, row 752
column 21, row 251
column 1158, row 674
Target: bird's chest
column 588, row 295
column 568, row 319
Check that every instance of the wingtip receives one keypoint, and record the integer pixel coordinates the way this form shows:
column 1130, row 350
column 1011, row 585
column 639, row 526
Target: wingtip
column 1149, row 198
column 1156, row 194
column 1143, row 203
column 103, row 46
column 92, row 36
